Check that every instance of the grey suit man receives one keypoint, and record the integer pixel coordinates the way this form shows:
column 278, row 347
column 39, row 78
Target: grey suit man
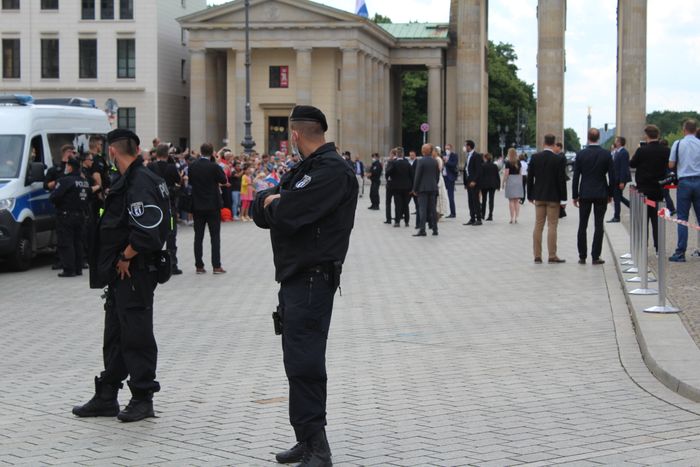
column 425, row 186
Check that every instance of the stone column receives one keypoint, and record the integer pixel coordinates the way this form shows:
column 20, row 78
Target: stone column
column 368, row 105
column 435, row 104
column 386, row 111
column 231, row 95
column 376, row 91
column 198, row 98
column 212, row 97
column 350, row 134
column 472, row 76
column 551, row 65
column 382, row 121
column 240, row 101
column 361, row 103
column 631, row 70
column 304, row 71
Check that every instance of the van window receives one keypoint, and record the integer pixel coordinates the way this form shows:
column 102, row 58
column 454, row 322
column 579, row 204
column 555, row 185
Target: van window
column 81, row 142
column 36, row 152
column 11, row 149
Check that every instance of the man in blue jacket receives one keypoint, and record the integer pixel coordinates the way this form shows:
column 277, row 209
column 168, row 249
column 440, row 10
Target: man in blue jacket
column 450, row 176
column 621, row 164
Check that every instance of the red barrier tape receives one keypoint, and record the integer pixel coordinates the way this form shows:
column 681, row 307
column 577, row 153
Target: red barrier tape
column 666, row 215
column 650, row 203
column 670, row 187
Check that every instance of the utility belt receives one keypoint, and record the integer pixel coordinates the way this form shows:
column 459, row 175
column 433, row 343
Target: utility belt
column 70, row 213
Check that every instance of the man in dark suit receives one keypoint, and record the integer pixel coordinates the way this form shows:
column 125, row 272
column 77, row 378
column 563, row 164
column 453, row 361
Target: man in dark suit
column 425, row 187
column 375, row 177
column 621, row 163
column 388, row 190
column 651, row 162
column 546, row 189
column 206, row 178
column 594, row 178
column 401, row 184
column 450, row 176
column 472, row 177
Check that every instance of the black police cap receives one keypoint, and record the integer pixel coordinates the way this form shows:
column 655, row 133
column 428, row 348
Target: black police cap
column 307, row 113
column 73, row 162
column 121, row 134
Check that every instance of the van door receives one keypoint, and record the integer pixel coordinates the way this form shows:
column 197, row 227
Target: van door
column 42, row 208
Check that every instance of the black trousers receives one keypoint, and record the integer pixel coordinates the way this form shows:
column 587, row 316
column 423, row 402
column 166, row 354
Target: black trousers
column 211, row 219
column 401, row 206
column 171, row 242
column 599, row 206
column 474, row 205
column 618, row 198
column 389, row 195
column 129, row 347
column 374, row 193
column 450, row 187
column 69, row 233
column 427, row 210
column 489, row 193
column 306, row 302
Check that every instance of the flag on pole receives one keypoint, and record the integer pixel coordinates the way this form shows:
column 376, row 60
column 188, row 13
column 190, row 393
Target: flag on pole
column 361, row 8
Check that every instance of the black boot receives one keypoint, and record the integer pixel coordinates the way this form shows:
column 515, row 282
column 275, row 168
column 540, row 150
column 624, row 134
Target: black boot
column 103, row 404
column 317, row 452
column 140, row 406
column 295, row 454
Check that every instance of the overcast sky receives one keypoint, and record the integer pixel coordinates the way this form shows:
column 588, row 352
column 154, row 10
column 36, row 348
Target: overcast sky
column 591, row 42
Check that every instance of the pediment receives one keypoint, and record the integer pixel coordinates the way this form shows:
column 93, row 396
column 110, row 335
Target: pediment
column 268, row 12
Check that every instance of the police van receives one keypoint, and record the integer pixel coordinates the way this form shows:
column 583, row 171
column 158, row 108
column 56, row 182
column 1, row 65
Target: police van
column 31, row 135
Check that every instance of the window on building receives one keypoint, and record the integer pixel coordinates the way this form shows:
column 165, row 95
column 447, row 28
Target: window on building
column 106, row 9
column 126, row 58
column 126, row 9
column 49, row 4
column 10, row 58
column 49, row 58
column 279, row 77
column 87, row 51
column 88, row 9
column 183, row 70
column 10, row 4
column 126, row 118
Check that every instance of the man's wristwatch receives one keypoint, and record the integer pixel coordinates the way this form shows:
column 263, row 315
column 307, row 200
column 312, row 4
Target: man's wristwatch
column 122, row 257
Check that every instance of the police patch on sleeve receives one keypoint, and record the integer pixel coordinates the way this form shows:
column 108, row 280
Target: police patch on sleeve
column 303, row 182
column 136, row 209
column 147, row 216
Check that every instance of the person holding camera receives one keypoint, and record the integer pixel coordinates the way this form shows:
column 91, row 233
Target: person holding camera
column 651, row 161
column 685, row 159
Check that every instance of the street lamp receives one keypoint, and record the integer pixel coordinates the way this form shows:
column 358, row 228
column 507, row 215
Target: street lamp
column 502, row 137
column 247, row 143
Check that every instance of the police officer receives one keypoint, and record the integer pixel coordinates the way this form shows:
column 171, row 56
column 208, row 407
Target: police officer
column 375, row 176
column 70, row 196
column 52, row 175
column 310, row 216
column 131, row 234
column 165, row 167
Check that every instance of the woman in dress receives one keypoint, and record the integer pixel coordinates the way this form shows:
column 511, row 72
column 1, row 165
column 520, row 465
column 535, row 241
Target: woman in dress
column 442, row 201
column 247, row 193
column 513, row 183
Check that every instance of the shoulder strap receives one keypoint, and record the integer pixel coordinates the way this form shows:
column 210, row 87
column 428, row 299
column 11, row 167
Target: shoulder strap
column 678, row 160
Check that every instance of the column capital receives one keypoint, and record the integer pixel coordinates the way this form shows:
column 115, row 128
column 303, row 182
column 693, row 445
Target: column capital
column 198, row 51
column 348, row 50
column 303, row 49
column 433, row 66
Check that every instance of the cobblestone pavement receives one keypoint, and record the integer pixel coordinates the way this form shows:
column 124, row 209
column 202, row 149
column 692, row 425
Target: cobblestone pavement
column 455, row 350
column 683, row 278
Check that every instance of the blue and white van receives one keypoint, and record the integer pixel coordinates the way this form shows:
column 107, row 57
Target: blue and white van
column 31, row 135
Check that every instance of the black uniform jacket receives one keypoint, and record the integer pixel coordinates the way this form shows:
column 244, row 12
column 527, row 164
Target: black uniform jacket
column 136, row 212
column 375, row 171
column 70, row 194
column 651, row 162
column 310, row 224
column 594, row 175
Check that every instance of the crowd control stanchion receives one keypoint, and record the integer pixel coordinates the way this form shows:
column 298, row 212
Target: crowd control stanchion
column 643, row 252
column 627, row 257
column 662, row 307
column 634, row 231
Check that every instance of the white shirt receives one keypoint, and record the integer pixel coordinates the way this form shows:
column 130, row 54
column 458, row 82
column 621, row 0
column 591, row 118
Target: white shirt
column 687, row 151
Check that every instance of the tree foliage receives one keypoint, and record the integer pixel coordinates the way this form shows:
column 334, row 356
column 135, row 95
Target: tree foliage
column 571, row 140
column 414, row 107
column 670, row 122
column 507, row 94
column 381, row 19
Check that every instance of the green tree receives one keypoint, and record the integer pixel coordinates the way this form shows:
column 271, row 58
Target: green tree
column 414, row 102
column 380, row 19
column 571, row 140
column 670, row 122
column 508, row 96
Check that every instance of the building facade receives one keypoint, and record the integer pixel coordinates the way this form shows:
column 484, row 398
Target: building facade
column 131, row 51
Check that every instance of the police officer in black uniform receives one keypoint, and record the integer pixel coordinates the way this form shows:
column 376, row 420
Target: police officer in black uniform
column 54, row 173
column 165, row 167
column 375, row 177
column 310, row 216
column 70, row 196
column 131, row 234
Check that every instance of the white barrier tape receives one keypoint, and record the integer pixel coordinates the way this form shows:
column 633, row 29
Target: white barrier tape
column 666, row 215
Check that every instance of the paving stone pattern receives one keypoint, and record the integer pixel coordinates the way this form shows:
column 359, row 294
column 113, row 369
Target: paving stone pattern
column 446, row 351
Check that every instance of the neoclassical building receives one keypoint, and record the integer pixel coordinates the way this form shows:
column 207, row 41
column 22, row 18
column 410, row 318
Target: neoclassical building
column 307, row 53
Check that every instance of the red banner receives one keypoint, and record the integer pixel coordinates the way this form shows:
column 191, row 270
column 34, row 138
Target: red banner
column 284, row 76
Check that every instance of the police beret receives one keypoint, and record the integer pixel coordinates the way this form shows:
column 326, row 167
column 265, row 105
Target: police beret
column 121, row 134
column 73, row 162
column 307, row 113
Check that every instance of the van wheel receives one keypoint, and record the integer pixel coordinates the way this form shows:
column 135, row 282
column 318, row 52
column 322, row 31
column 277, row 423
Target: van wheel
column 21, row 259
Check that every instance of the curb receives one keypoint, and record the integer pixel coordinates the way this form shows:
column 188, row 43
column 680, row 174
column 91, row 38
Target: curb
column 667, row 349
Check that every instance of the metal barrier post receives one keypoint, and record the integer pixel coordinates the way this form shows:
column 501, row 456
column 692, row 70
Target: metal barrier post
column 662, row 307
column 634, row 232
column 627, row 257
column 643, row 255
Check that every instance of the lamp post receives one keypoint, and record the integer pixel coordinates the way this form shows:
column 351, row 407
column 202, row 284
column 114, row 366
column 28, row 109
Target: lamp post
column 247, row 143
column 502, row 137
